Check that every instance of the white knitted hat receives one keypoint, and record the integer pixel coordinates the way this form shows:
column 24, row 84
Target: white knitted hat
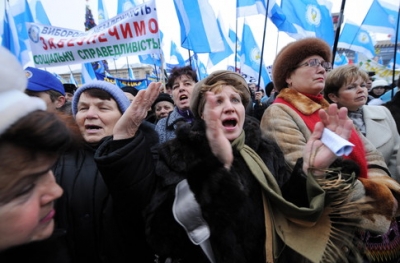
column 14, row 103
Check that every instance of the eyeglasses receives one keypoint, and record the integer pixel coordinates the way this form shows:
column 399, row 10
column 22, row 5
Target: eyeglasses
column 314, row 62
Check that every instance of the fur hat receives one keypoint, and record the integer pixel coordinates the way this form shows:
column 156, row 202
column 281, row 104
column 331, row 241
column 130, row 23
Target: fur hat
column 196, row 102
column 116, row 93
column 41, row 80
column 14, row 103
column 162, row 97
column 295, row 52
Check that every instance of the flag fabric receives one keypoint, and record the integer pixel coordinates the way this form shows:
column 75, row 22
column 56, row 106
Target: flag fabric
column 38, row 12
column 10, row 35
column 249, row 7
column 310, row 18
column 340, row 60
column 250, row 58
column 176, row 55
column 130, row 73
column 72, row 79
column 124, row 5
column 381, row 18
column 397, row 66
column 87, row 73
column 152, row 59
column 102, row 13
column 356, row 38
column 216, row 57
column 201, row 70
column 199, row 29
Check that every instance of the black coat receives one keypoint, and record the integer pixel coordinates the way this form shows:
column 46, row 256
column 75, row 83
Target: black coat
column 231, row 201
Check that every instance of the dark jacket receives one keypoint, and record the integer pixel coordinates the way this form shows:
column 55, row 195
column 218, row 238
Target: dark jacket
column 231, row 201
column 94, row 233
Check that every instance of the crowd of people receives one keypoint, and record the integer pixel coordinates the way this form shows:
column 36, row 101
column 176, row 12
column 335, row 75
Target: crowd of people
column 211, row 170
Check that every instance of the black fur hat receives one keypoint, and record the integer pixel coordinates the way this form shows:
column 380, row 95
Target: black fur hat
column 295, row 52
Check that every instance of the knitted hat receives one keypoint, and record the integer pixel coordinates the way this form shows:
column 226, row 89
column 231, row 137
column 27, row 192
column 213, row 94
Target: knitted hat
column 293, row 53
column 162, row 97
column 116, row 93
column 196, row 102
column 14, row 103
column 380, row 83
column 41, row 80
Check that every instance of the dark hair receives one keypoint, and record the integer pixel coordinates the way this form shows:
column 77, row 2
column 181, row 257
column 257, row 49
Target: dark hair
column 42, row 132
column 179, row 71
column 52, row 93
column 268, row 88
column 98, row 93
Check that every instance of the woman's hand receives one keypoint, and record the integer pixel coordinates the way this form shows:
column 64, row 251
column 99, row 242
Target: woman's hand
column 316, row 155
column 220, row 145
column 128, row 124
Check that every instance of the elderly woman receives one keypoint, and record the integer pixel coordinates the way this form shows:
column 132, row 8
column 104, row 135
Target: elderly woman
column 31, row 139
column 299, row 73
column 223, row 193
column 346, row 87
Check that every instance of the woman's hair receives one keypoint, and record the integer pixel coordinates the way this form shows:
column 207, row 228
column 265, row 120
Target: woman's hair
column 40, row 132
column 341, row 76
column 179, row 71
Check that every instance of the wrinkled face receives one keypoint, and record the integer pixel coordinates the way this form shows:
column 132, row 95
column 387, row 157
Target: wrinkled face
column 96, row 117
column 231, row 112
column 352, row 95
column 27, row 197
column 181, row 91
column 162, row 109
column 306, row 79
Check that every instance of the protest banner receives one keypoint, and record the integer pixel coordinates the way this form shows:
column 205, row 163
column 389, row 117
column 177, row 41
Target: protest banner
column 134, row 32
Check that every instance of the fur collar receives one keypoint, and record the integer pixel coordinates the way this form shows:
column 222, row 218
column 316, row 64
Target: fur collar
column 301, row 102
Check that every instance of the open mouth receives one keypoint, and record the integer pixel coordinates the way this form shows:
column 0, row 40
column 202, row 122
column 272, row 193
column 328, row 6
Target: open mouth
column 92, row 127
column 229, row 123
column 183, row 97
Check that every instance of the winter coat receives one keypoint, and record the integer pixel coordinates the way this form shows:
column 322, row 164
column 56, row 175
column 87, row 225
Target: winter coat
column 166, row 127
column 231, row 201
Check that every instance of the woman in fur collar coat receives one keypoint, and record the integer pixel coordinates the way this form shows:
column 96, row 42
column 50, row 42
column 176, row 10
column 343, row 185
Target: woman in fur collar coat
column 299, row 74
column 224, row 194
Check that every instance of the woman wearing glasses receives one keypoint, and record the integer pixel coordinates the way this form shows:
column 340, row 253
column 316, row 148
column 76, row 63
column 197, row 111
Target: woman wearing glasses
column 299, row 73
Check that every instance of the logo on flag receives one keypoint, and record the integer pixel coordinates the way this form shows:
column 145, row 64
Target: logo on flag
column 313, row 15
column 363, row 37
column 255, row 56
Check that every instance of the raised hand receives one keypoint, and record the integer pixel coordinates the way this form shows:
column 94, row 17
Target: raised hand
column 220, row 145
column 316, row 154
column 128, row 124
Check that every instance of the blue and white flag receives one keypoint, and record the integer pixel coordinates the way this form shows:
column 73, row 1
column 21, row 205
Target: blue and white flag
column 72, row 79
column 311, row 18
column 340, row 60
column 130, row 73
column 102, row 12
column 381, row 18
column 201, row 70
column 152, row 59
column 9, row 38
column 199, row 29
column 250, row 7
column 38, row 12
column 176, row 55
column 397, row 66
column 216, row 57
column 87, row 73
column 124, row 5
column 356, row 38
column 250, row 57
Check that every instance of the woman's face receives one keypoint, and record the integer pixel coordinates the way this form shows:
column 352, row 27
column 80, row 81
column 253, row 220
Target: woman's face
column 352, row 95
column 27, row 197
column 378, row 91
column 181, row 91
column 308, row 79
column 231, row 112
column 163, row 108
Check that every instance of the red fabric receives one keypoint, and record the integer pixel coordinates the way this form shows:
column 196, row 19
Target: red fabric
column 358, row 153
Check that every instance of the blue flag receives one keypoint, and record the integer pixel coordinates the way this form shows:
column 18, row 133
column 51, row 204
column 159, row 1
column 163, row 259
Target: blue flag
column 102, row 12
column 355, row 38
column 87, row 73
column 250, row 7
column 381, row 17
column 38, row 12
column 10, row 35
column 152, row 59
column 311, row 18
column 72, row 79
column 250, row 58
column 174, row 53
column 124, row 5
column 130, row 73
column 341, row 60
column 216, row 57
column 199, row 29
column 397, row 66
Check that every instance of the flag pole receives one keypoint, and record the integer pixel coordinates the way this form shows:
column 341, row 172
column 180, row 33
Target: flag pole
column 339, row 24
column 395, row 52
column 236, row 38
column 262, row 46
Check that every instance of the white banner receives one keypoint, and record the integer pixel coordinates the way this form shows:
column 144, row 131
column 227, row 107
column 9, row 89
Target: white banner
column 381, row 71
column 134, row 32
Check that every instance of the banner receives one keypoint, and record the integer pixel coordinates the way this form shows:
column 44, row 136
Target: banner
column 137, row 84
column 381, row 71
column 134, row 32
